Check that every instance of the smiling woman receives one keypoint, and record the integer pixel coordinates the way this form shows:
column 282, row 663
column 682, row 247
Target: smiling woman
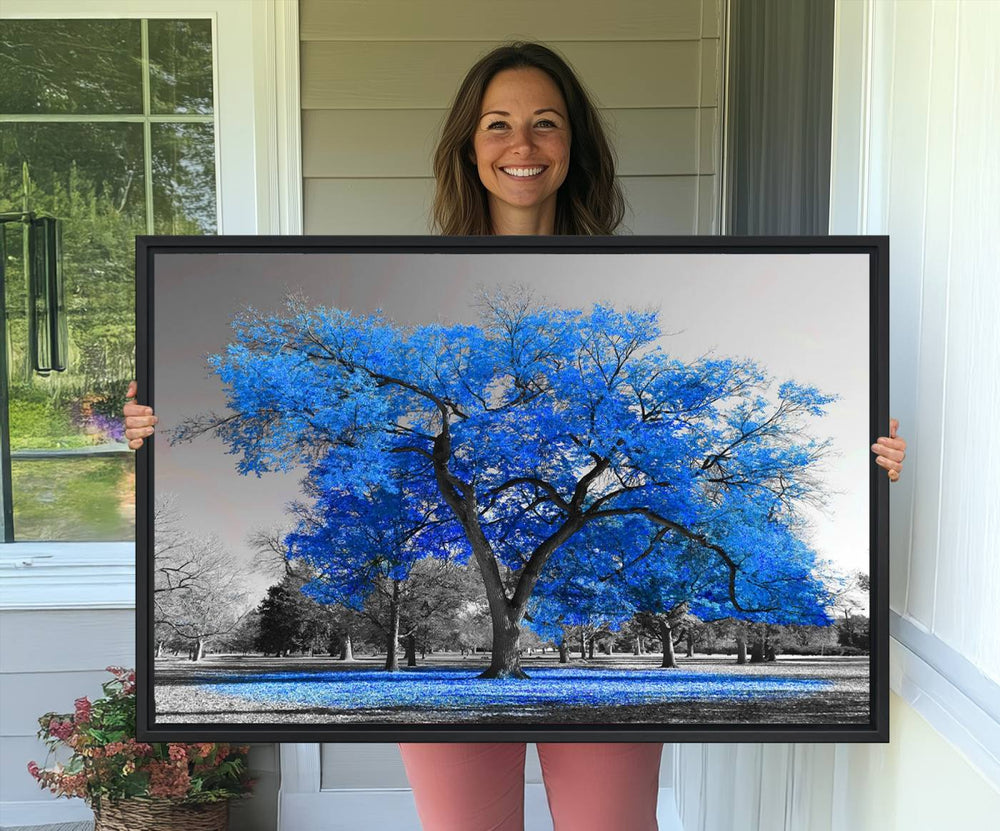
column 521, row 148
column 521, row 108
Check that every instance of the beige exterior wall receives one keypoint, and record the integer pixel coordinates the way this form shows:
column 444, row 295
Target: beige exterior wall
column 378, row 76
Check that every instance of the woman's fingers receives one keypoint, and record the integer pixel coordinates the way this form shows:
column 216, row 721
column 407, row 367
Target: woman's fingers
column 890, row 451
column 888, row 464
column 139, row 418
column 893, row 449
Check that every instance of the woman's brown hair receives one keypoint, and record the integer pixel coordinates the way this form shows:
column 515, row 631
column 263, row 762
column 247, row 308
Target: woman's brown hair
column 590, row 200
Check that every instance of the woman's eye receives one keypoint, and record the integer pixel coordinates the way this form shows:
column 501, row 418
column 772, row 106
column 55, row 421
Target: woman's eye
column 496, row 124
column 545, row 123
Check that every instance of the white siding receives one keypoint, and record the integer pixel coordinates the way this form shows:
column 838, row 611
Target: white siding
column 934, row 186
column 47, row 660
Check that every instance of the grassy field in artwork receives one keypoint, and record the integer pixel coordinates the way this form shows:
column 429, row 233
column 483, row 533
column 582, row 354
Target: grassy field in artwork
column 611, row 690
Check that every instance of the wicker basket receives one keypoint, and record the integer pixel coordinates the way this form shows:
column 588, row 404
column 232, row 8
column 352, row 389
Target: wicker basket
column 161, row 815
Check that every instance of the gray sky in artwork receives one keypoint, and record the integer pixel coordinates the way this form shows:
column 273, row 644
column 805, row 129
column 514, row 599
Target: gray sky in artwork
column 803, row 317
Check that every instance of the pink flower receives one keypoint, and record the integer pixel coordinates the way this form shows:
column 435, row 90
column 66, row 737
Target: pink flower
column 83, row 707
column 168, row 779
column 139, row 748
column 178, row 753
column 61, row 729
column 125, row 677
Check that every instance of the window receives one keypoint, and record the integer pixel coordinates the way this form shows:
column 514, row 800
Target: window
column 109, row 126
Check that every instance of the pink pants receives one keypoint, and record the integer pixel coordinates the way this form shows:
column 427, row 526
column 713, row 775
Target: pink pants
column 480, row 787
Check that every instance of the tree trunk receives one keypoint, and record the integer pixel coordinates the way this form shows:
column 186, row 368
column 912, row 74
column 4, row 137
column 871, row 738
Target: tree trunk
column 669, row 660
column 199, row 650
column 611, row 647
column 590, row 649
column 506, row 654
column 583, row 647
column 347, row 648
column 741, row 648
column 757, row 651
column 637, row 646
column 159, row 649
column 563, row 653
column 411, row 650
column 392, row 637
column 690, row 639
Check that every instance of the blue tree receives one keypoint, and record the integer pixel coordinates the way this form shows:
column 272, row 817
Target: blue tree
column 604, row 573
column 528, row 428
column 364, row 541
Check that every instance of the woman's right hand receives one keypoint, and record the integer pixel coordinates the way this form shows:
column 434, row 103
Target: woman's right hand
column 139, row 419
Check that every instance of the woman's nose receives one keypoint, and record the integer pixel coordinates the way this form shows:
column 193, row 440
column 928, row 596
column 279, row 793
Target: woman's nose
column 522, row 139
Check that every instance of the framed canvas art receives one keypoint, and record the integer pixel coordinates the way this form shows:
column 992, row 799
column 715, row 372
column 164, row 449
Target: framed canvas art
column 513, row 488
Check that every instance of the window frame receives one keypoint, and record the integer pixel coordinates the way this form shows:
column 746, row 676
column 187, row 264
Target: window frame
column 257, row 129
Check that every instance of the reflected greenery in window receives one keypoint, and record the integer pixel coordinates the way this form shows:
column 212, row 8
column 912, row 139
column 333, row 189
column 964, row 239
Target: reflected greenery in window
column 180, row 66
column 70, row 66
column 183, row 178
column 73, row 139
column 75, row 499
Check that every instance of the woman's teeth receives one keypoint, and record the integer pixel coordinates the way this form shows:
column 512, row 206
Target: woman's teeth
column 522, row 172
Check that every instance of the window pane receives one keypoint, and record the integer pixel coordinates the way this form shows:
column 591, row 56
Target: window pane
column 76, row 499
column 73, row 477
column 180, row 66
column 184, row 179
column 91, row 177
column 70, row 66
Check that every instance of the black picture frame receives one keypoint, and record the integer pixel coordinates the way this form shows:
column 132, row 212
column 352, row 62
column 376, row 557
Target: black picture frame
column 150, row 250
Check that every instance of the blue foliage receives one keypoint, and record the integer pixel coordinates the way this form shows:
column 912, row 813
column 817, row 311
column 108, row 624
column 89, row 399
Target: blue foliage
column 561, row 442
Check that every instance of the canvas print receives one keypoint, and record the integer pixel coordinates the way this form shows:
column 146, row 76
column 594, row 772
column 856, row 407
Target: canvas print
column 431, row 492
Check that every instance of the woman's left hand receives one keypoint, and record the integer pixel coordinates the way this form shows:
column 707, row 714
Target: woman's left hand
column 890, row 451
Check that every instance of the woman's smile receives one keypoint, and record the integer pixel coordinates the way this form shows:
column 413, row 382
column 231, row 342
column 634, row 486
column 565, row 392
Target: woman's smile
column 524, row 172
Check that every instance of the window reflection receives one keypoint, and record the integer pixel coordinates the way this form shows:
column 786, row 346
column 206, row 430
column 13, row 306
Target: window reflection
column 73, row 146
column 180, row 66
column 70, row 66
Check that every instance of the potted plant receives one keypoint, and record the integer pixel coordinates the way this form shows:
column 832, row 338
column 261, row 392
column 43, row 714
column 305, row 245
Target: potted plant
column 132, row 785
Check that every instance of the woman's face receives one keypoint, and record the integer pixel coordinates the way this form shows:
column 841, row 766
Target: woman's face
column 522, row 142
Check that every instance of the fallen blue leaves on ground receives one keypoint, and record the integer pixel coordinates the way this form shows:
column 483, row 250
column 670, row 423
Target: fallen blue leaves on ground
column 445, row 688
